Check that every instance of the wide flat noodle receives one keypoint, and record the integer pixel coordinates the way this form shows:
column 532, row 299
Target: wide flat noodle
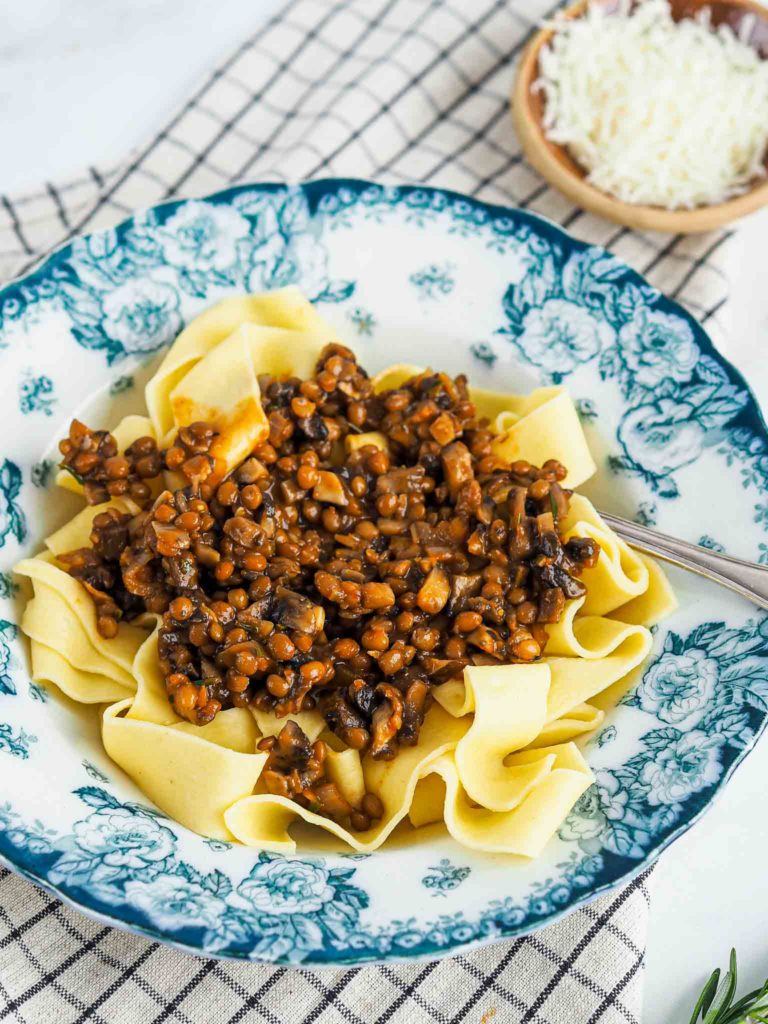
column 504, row 410
column 395, row 376
column 52, row 668
column 263, row 820
column 193, row 773
column 69, row 638
column 223, row 391
column 128, row 430
column 345, row 768
column 233, row 729
column 222, row 388
column 539, row 426
column 457, row 698
column 527, row 829
column 546, row 426
column 428, row 803
column 311, row 723
column 151, row 703
column 577, row 680
column 286, row 307
column 583, row 656
column 510, row 709
column 378, row 440
column 77, row 532
column 593, row 637
column 655, row 604
column 189, row 777
column 63, row 617
column 620, row 574
column 582, row 719
column 535, row 789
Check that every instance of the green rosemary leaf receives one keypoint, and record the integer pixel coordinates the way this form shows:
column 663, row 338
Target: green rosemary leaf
column 716, row 1005
column 707, row 995
column 68, row 469
column 751, row 1003
column 553, row 505
column 724, row 995
column 752, row 1010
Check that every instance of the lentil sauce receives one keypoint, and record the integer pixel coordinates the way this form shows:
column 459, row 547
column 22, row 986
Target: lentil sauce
column 325, row 573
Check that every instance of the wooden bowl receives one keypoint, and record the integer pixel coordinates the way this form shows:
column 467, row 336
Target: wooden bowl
column 555, row 164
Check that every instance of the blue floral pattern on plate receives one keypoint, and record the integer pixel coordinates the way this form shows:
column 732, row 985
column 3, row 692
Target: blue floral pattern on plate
column 513, row 300
column 364, row 322
column 433, row 281
column 123, row 292
column 12, row 519
column 36, row 394
column 445, row 876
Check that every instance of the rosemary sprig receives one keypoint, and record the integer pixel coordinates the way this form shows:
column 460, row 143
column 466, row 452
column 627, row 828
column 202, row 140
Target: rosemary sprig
column 715, row 1005
column 71, row 472
column 553, row 506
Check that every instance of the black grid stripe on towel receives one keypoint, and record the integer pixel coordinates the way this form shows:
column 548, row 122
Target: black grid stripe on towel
column 399, row 91
column 56, row 965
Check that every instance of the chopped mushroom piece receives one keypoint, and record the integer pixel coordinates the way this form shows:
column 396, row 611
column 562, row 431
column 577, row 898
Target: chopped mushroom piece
column 329, row 488
column 434, row 593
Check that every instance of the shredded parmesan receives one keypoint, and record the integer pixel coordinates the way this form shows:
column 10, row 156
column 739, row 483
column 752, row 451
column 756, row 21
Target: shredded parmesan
column 664, row 113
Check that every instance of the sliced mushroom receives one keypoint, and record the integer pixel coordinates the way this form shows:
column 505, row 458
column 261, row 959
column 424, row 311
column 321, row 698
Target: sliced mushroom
column 434, row 592
column 386, row 723
column 457, row 465
column 296, row 612
column 462, row 589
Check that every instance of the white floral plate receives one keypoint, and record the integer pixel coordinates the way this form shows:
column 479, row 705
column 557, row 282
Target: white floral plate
column 424, row 276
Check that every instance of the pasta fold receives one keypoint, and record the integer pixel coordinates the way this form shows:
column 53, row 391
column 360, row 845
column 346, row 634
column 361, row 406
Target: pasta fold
column 189, row 776
column 655, row 604
column 510, row 708
column 263, row 820
column 193, row 773
column 582, row 719
column 311, row 723
column 527, row 829
column 76, row 533
column 543, row 425
column 223, row 391
column 286, row 308
column 62, row 615
column 52, row 668
column 583, row 657
column 222, row 388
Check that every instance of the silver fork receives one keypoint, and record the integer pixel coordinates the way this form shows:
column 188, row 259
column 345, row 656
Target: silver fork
column 745, row 578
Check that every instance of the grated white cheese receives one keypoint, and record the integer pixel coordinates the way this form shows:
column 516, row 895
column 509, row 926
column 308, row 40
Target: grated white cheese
column 657, row 112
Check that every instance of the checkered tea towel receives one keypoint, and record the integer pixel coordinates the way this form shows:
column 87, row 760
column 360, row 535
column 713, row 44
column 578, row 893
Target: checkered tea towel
column 400, row 91
column 59, row 967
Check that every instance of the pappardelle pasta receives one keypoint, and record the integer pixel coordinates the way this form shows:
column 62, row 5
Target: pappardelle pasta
column 299, row 592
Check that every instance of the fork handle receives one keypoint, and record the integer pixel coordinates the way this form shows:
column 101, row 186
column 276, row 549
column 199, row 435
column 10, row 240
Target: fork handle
column 745, row 578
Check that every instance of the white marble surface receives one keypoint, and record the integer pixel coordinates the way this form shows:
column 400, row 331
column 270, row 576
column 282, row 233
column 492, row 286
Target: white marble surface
column 83, row 81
